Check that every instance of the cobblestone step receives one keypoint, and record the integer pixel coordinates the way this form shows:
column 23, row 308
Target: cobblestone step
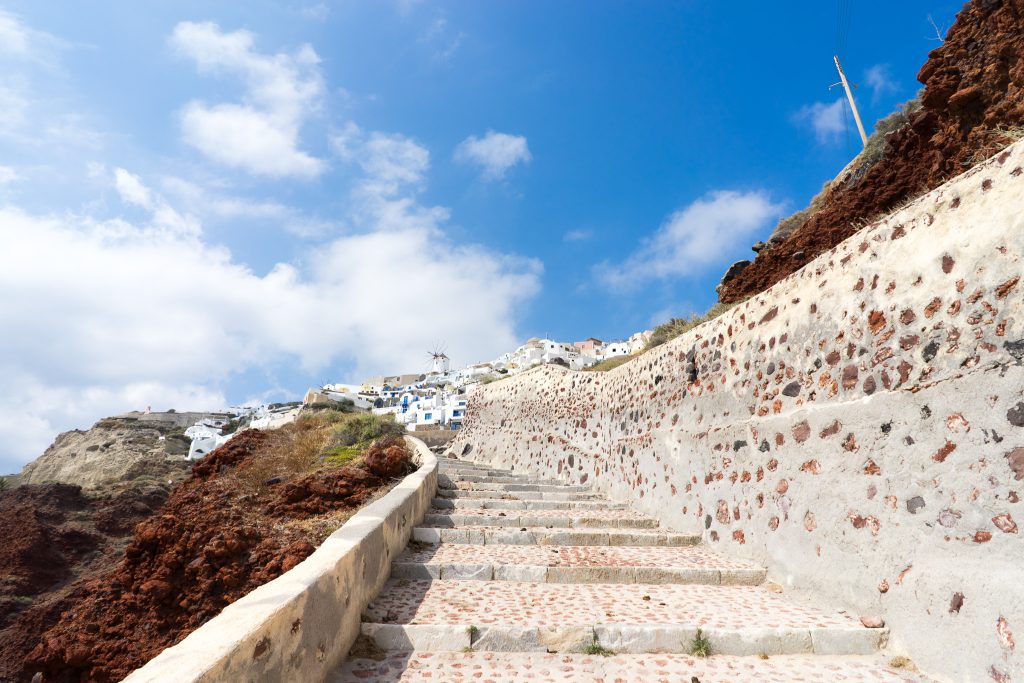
column 505, row 504
column 506, row 667
column 570, row 519
column 625, row 618
column 517, row 495
column 506, row 479
column 490, row 486
column 573, row 564
column 513, row 578
column 481, row 535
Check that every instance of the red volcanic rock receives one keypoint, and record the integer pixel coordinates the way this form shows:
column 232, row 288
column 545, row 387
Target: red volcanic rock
column 215, row 540
column 974, row 84
column 389, row 459
column 873, row 622
column 55, row 538
column 801, row 431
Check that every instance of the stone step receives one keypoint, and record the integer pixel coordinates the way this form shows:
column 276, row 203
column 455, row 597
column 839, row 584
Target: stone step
column 506, row 667
column 517, row 495
column 505, row 504
column 573, row 564
column 490, row 479
column 480, row 535
column 488, row 486
column 452, row 481
column 624, row 618
column 570, row 519
column 474, row 469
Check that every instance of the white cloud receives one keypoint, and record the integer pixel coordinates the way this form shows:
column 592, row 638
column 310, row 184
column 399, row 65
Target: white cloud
column 131, row 189
column 494, row 152
column 577, row 235
column 205, row 202
column 394, row 160
column 112, row 316
column 880, row 80
column 260, row 135
column 7, row 175
column 23, row 43
column 33, row 92
column 164, row 217
column 693, row 238
column 14, row 36
column 826, row 120
column 391, row 163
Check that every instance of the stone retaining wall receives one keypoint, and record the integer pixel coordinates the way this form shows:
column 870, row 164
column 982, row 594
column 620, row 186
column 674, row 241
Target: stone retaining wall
column 301, row 625
column 859, row 427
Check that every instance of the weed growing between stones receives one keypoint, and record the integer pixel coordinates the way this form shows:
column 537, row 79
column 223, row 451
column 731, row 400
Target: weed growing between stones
column 595, row 648
column 700, row 646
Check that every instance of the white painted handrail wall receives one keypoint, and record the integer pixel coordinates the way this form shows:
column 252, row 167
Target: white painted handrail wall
column 301, row 625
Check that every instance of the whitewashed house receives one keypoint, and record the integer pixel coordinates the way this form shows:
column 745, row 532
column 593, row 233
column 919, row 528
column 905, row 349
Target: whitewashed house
column 205, row 438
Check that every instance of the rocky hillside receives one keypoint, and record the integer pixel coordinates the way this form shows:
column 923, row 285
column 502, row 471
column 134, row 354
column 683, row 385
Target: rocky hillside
column 972, row 105
column 56, row 538
column 127, row 450
column 94, row 585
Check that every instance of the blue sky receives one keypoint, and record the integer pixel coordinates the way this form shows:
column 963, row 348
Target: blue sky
column 210, row 203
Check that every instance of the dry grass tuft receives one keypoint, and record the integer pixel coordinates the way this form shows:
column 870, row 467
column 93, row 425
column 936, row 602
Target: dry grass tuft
column 677, row 326
column 610, row 364
column 294, row 449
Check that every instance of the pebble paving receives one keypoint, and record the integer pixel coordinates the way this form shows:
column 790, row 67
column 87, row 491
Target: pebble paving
column 500, row 667
column 546, row 514
column 555, row 605
column 601, row 562
column 572, row 556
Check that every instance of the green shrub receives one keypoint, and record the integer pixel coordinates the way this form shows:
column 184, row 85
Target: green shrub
column 3, row 484
column 364, row 428
column 342, row 455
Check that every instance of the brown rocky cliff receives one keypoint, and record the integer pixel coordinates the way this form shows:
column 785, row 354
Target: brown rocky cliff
column 974, row 86
column 55, row 538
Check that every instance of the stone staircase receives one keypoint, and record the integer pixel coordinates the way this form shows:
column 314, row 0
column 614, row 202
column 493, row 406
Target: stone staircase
column 511, row 578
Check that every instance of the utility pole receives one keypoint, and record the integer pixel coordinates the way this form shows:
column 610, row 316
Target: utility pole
column 849, row 96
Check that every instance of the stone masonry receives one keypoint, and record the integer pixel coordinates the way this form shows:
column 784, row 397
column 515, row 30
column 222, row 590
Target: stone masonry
column 857, row 429
column 511, row 578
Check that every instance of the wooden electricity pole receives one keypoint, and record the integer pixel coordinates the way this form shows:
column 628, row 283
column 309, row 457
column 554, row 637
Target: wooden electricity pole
column 853, row 105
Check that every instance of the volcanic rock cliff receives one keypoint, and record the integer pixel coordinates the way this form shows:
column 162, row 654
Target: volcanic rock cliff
column 972, row 105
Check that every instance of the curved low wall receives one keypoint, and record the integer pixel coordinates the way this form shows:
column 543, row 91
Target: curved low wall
column 858, row 427
column 301, row 625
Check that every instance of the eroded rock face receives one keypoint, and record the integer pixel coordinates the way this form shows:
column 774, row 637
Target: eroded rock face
column 974, row 84
column 117, row 452
column 855, row 427
column 53, row 538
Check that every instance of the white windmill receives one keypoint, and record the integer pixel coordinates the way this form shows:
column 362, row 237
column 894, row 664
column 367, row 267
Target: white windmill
column 441, row 364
